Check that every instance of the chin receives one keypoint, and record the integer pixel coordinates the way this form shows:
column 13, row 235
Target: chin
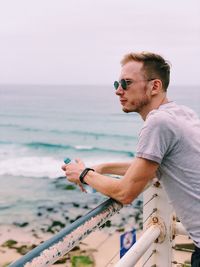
column 126, row 110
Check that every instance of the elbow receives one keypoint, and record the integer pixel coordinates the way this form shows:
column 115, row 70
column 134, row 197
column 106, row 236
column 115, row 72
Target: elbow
column 123, row 194
column 125, row 200
column 125, row 197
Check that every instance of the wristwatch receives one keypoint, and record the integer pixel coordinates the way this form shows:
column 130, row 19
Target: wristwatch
column 83, row 174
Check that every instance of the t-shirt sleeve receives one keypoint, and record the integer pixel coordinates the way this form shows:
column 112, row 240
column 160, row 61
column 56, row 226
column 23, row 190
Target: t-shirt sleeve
column 158, row 137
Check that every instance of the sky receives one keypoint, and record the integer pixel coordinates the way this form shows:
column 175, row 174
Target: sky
column 83, row 41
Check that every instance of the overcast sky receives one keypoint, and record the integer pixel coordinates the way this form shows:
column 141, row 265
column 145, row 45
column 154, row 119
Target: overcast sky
column 83, row 41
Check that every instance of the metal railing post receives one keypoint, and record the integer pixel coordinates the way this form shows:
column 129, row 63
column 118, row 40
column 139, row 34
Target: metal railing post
column 160, row 210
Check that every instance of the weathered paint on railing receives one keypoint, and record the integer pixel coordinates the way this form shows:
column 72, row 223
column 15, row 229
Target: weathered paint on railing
column 51, row 250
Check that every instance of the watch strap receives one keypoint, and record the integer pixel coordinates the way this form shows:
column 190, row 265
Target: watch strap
column 84, row 173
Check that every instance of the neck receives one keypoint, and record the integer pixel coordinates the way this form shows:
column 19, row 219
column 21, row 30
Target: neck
column 153, row 105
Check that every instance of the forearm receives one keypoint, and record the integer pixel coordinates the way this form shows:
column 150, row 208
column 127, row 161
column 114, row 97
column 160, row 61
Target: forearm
column 126, row 189
column 114, row 188
column 117, row 168
column 104, row 184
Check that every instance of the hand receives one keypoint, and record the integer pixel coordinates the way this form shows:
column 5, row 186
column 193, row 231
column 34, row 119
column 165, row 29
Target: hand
column 73, row 171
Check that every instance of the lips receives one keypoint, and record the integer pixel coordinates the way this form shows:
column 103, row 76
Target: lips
column 123, row 101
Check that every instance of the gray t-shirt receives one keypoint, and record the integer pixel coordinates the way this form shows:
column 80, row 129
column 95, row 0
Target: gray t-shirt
column 171, row 137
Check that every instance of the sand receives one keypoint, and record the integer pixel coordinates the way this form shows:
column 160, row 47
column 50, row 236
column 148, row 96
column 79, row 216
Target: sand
column 102, row 246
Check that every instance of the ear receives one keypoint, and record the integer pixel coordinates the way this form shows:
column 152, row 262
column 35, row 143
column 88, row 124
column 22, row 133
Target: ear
column 156, row 86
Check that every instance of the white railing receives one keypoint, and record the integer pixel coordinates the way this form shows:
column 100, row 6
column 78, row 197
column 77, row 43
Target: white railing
column 160, row 228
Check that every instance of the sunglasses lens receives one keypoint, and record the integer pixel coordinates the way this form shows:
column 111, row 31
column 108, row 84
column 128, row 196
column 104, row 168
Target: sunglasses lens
column 123, row 84
column 116, row 84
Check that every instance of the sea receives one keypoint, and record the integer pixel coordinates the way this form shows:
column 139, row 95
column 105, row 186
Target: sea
column 40, row 125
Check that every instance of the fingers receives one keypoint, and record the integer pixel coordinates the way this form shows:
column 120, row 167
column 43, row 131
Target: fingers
column 80, row 163
column 78, row 160
column 63, row 167
column 72, row 172
column 82, row 188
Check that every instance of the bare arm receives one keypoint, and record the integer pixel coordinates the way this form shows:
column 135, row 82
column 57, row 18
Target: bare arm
column 118, row 168
column 124, row 190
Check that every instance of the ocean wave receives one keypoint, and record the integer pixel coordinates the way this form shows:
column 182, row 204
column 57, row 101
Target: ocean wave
column 6, row 142
column 38, row 145
column 43, row 166
column 31, row 167
column 97, row 135
column 50, row 146
column 62, row 132
column 22, row 128
column 10, row 149
column 9, row 125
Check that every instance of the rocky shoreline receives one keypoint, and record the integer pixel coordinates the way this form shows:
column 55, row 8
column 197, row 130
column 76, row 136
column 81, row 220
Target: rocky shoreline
column 21, row 236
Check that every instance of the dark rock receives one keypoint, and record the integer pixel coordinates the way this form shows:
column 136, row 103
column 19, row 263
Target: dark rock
column 69, row 187
column 50, row 209
column 106, row 224
column 75, row 248
column 58, row 223
column 23, row 224
column 120, row 230
column 76, row 205
column 10, row 243
column 55, row 226
column 25, row 249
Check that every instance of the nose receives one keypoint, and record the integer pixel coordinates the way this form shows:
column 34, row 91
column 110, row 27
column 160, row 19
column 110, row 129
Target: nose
column 119, row 90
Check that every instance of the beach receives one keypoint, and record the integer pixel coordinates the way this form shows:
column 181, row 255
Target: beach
column 101, row 247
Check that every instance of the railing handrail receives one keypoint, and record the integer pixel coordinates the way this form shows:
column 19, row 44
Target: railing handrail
column 51, row 250
column 140, row 247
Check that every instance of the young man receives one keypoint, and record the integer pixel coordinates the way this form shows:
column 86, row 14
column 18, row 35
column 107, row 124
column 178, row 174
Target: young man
column 168, row 146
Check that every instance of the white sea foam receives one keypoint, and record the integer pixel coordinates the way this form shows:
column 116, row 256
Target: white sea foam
column 31, row 167
column 81, row 147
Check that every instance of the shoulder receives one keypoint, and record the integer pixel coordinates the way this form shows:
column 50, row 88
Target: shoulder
column 162, row 122
column 160, row 118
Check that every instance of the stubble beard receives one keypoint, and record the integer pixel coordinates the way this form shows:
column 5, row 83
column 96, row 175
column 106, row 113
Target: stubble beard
column 137, row 106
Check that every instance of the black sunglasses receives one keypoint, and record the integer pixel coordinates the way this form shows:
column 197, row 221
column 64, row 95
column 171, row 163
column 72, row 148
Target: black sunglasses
column 124, row 84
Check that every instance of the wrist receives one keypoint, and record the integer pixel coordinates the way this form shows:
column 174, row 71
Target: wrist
column 83, row 174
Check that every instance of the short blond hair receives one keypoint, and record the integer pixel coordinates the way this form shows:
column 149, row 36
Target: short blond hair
column 154, row 66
